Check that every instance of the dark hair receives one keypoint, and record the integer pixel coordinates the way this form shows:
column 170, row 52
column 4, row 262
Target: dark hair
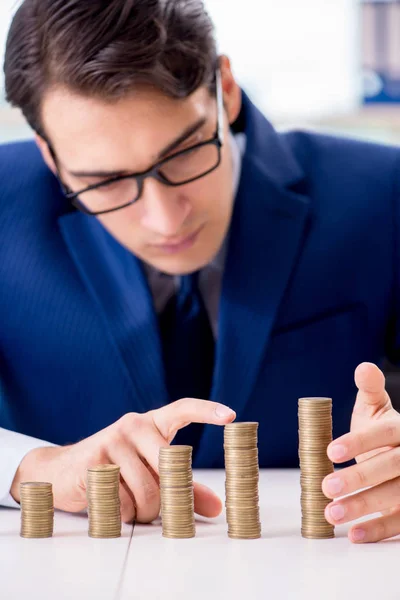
column 104, row 48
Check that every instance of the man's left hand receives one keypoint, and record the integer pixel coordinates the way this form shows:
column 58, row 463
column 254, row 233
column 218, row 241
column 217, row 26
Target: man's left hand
column 374, row 441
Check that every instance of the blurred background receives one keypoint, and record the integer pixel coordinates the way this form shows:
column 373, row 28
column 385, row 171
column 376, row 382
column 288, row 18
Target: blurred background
column 331, row 65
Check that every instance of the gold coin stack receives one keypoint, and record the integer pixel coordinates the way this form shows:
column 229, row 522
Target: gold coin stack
column 241, row 482
column 103, row 501
column 176, row 488
column 315, row 434
column 37, row 509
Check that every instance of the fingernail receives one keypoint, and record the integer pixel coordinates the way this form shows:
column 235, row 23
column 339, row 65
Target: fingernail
column 337, row 512
column 358, row 535
column 223, row 411
column 337, row 452
column 334, row 486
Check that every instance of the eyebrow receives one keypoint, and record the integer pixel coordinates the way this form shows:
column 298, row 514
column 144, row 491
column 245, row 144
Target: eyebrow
column 189, row 131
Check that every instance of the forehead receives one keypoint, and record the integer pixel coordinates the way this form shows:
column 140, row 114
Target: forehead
column 136, row 127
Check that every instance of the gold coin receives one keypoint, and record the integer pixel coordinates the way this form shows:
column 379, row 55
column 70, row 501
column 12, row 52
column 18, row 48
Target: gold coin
column 103, row 501
column 242, row 480
column 37, row 509
column 176, row 491
column 315, row 435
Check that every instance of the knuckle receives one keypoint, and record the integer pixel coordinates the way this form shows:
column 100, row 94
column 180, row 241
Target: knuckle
column 358, row 442
column 184, row 409
column 114, row 438
column 379, row 530
column 361, row 478
column 395, row 460
column 130, row 422
column 361, row 505
column 183, row 403
column 390, row 431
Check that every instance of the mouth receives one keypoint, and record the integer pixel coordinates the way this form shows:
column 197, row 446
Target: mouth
column 179, row 245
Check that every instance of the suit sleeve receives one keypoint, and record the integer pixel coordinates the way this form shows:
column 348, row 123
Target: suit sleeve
column 393, row 330
column 13, row 448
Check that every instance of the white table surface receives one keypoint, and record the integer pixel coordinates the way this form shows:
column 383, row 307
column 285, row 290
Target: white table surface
column 144, row 565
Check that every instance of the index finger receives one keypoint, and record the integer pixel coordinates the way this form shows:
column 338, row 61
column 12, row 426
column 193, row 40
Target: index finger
column 180, row 413
column 353, row 444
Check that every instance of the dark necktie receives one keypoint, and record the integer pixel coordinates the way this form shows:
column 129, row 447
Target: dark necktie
column 188, row 350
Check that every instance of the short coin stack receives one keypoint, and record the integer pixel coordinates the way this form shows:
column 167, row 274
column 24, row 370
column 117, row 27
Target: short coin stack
column 241, row 483
column 315, row 434
column 103, row 501
column 37, row 510
column 176, row 488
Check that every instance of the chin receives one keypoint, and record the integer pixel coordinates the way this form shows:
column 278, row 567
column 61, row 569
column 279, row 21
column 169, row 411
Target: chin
column 182, row 265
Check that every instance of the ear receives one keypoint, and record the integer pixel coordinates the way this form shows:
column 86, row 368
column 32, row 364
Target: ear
column 231, row 90
column 46, row 154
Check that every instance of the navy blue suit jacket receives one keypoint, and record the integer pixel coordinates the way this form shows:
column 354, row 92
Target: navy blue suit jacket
column 310, row 290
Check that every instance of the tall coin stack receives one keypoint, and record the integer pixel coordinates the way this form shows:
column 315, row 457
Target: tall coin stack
column 37, row 509
column 176, row 488
column 241, row 482
column 315, row 434
column 103, row 501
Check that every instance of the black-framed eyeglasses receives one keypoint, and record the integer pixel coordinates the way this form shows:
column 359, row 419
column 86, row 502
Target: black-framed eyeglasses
column 180, row 168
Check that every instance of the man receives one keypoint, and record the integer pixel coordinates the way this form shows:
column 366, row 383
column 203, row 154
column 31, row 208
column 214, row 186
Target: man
column 165, row 255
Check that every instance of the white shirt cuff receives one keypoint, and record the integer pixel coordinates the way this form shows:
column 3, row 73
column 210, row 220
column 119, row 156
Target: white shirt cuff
column 13, row 448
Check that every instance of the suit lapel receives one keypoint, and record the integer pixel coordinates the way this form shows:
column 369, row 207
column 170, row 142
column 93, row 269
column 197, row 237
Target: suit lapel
column 115, row 280
column 266, row 233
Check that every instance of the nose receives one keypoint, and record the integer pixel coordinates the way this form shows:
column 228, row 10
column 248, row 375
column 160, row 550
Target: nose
column 164, row 209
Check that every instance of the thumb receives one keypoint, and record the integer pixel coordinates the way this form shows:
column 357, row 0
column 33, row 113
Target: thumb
column 372, row 396
column 180, row 413
column 206, row 502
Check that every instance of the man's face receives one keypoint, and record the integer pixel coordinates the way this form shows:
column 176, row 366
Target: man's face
column 175, row 229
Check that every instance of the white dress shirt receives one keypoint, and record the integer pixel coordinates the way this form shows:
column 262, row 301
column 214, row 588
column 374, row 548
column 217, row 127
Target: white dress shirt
column 14, row 446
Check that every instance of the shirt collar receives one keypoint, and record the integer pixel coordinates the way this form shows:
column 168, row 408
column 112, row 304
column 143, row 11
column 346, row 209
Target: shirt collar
column 238, row 143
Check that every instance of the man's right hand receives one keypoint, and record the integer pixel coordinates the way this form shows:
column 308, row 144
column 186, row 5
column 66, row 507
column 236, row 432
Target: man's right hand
column 133, row 443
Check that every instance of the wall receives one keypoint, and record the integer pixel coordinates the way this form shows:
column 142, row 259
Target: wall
column 7, row 8
column 299, row 59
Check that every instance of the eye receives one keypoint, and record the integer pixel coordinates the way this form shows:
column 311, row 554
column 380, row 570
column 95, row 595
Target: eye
column 186, row 146
column 110, row 186
column 187, row 155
